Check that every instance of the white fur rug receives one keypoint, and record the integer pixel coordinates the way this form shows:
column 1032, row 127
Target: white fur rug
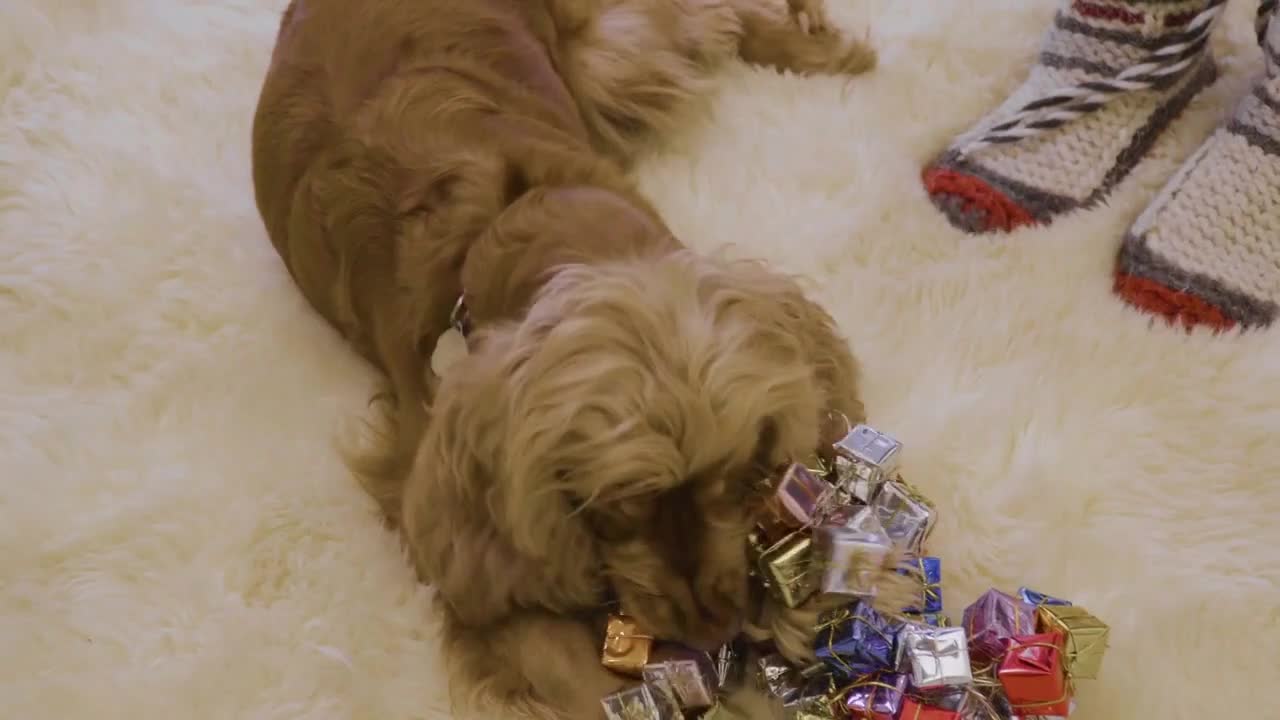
column 178, row 538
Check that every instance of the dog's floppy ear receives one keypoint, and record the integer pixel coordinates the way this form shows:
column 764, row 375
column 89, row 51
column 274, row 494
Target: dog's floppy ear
column 485, row 519
column 779, row 302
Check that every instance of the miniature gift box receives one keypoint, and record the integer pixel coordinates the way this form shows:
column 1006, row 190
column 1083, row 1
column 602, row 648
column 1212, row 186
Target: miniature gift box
column 907, row 516
column 688, row 675
column 928, row 570
column 856, row 641
column 916, row 709
column 626, row 648
column 641, row 702
column 993, row 618
column 787, row 569
column 938, row 657
column 817, row 700
column 849, row 557
column 1086, row 637
column 798, row 499
column 864, row 459
column 776, row 678
column 876, row 697
column 1033, row 675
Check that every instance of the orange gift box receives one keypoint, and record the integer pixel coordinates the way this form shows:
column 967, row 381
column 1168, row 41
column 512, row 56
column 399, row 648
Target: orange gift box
column 1033, row 676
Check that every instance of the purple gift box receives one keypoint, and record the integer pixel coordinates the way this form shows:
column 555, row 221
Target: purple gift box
column 994, row 617
column 877, row 697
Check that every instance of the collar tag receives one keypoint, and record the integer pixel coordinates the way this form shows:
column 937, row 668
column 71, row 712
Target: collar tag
column 460, row 319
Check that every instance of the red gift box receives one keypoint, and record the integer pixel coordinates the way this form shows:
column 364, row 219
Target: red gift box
column 913, row 709
column 1033, row 676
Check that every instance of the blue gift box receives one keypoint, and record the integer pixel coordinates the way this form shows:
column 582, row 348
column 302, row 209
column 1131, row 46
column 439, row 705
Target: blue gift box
column 930, row 619
column 857, row 640
column 1027, row 595
column 929, row 572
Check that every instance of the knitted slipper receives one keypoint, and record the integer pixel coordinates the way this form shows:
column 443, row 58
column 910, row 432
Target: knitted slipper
column 1112, row 75
column 1207, row 249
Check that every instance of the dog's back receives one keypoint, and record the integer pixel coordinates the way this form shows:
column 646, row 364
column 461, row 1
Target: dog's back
column 389, row 134
column 393, row 120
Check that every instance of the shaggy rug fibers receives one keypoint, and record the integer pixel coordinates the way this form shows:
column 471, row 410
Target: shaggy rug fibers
column 179, row 539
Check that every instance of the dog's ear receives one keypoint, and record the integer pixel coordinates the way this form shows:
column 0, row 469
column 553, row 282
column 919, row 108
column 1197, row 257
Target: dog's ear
column 484, row 517
column 780, row 301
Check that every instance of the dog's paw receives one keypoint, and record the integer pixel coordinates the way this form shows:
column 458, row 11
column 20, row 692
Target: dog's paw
column 810, row 15
column 858, row 57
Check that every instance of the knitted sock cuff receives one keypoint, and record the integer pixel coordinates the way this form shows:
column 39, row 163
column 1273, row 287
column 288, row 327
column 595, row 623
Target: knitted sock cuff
column 1146, row 18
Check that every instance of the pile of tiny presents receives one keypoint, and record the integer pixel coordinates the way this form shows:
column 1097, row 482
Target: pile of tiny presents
column 1013, row 656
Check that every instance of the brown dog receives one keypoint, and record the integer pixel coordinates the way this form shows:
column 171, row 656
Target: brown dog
column 623, row 396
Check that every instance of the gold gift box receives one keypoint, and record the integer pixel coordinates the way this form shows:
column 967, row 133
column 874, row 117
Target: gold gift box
column 1086, row 637
column 626, row 649
column 787, row 569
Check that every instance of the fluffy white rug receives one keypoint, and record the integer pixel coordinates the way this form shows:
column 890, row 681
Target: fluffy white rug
column 178, row 539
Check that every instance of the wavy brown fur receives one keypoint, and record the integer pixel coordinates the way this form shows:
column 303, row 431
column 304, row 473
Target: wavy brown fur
column 624, row 395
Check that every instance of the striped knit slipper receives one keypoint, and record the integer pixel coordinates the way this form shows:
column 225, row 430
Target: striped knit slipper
column 1112, row 75
column 1207, row 250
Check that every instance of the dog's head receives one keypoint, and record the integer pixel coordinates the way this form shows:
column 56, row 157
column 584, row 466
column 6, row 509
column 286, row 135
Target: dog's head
column 640, row 406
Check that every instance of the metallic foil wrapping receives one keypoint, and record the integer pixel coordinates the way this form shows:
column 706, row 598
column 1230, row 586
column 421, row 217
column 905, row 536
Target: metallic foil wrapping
column 865, row 458
column 730, row 665
column 1032, row 597
column 916, row 709
column 860, row 519
column 906, row 515
column 787, row 568
column 928, row 570
column 776, row 678
column 626, row 649
column 799, row 499
column 689, row 676
column 871, row 446
column 642, row 702
column 875, row 697
column 849, row 557
column 817, row 700
column 1034, row 677
column 856, row 641
column 856, row 481
column 1086, row 637
column 993, row 618
column 938, row 657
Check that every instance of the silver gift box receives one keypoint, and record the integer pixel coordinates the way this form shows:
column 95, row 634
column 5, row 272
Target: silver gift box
column 856, row 480
column 938, row 657
column 865, row 458
column 689, row 678
column 642, row 702
column 907, row 517
column 850, row 554
column 872, row 447
column 777, row 679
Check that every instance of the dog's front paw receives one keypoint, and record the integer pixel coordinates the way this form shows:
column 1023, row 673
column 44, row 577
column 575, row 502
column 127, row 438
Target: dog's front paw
column 810, row 15
column 858, row 57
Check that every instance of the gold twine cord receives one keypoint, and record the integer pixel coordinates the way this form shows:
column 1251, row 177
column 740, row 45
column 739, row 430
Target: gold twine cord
column 843, row 615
